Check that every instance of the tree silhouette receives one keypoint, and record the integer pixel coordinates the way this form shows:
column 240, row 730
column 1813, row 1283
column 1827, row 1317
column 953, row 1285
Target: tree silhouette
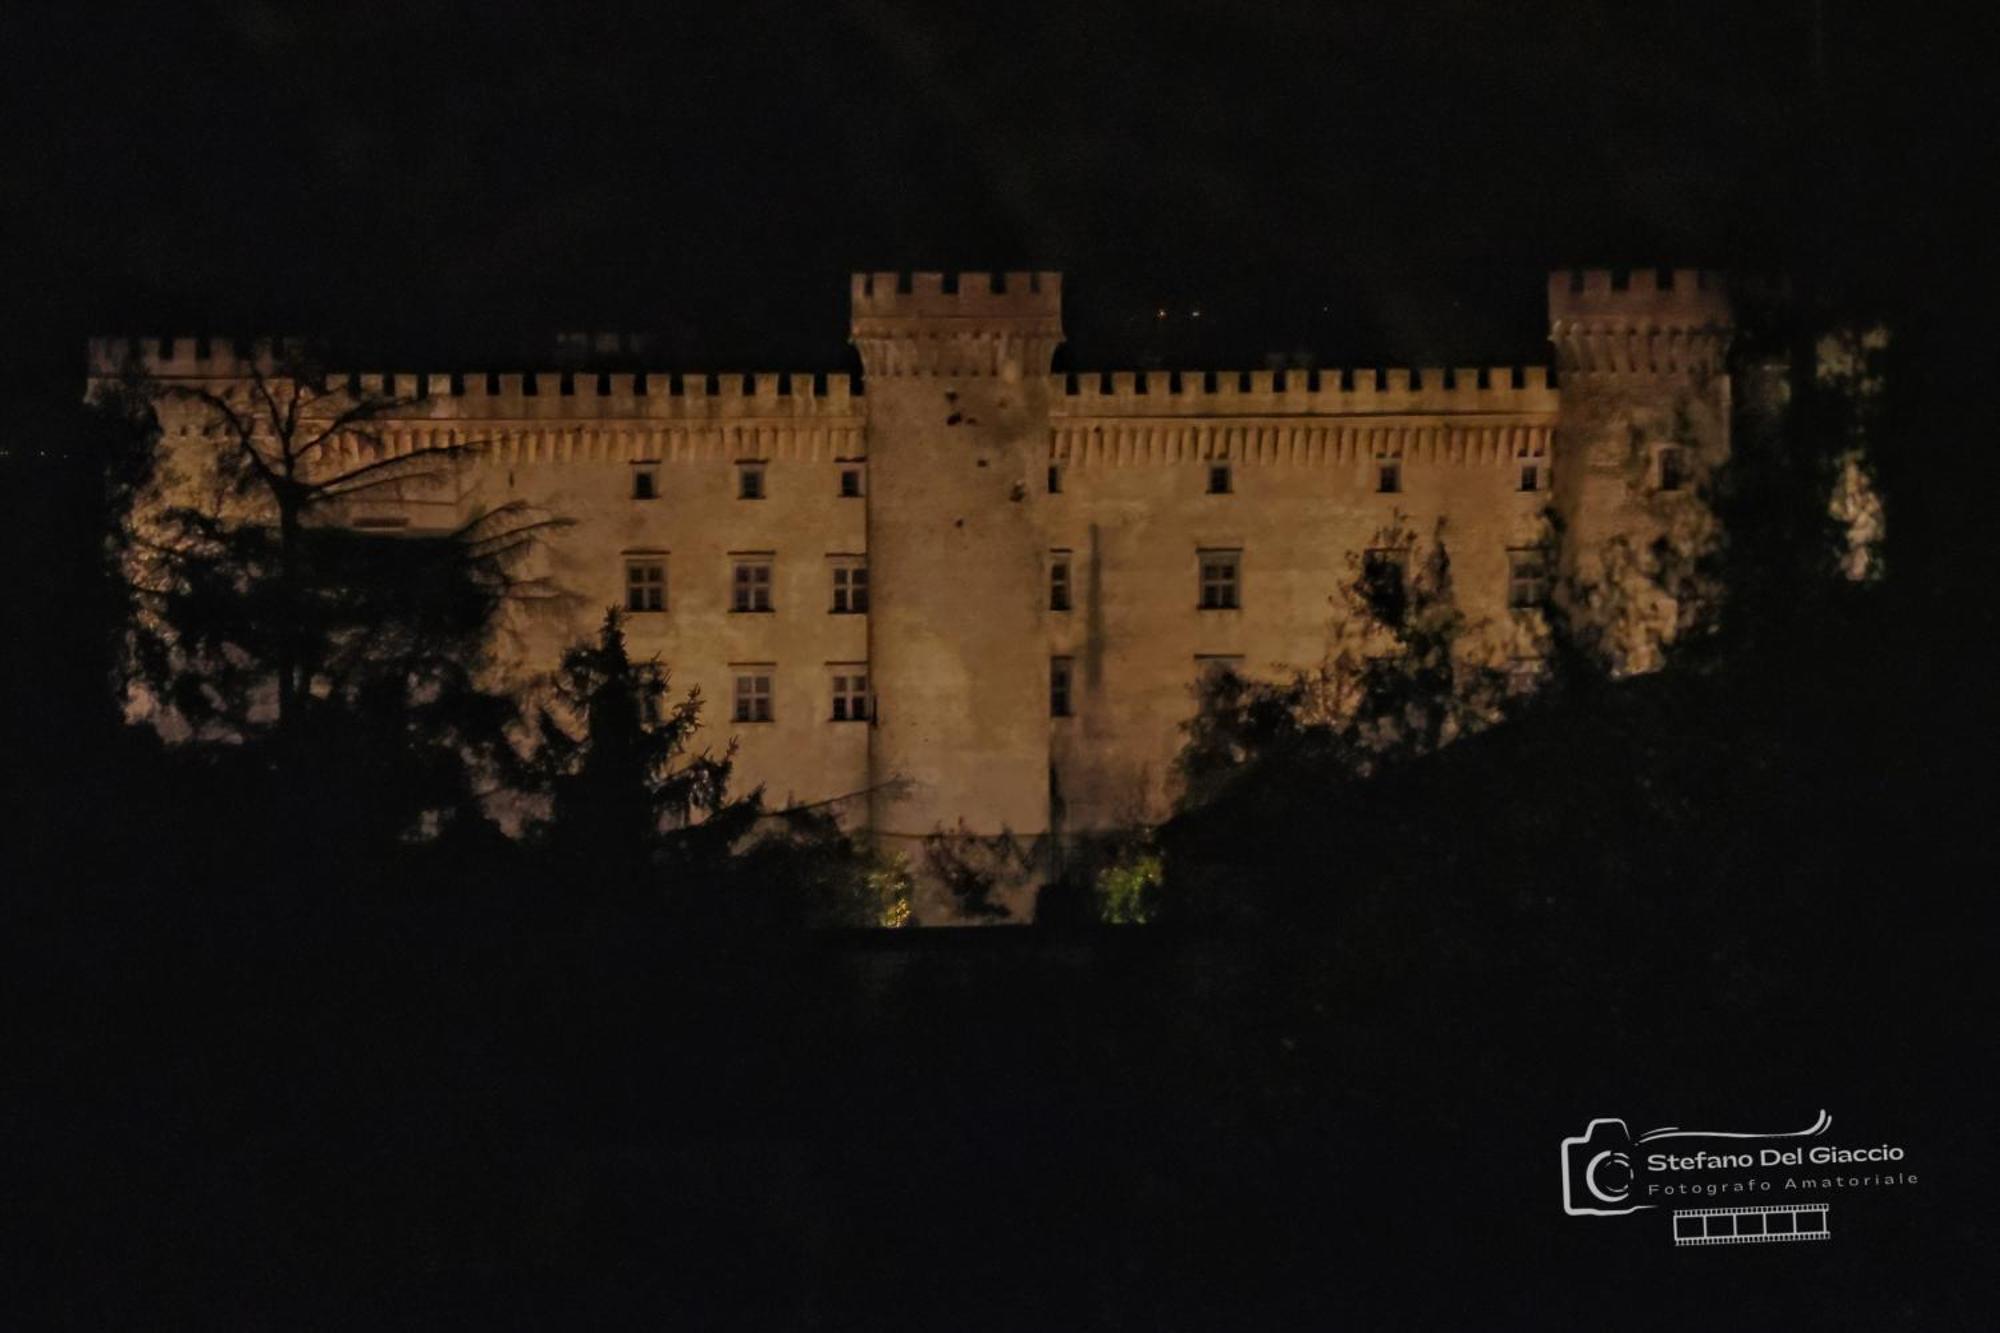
column 1408, row 673
column 634, row 812
column 256, row 602
column 626, row 796
column 343, row 667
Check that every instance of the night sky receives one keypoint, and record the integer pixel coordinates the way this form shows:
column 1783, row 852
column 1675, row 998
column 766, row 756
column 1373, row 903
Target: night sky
column 1326, row 182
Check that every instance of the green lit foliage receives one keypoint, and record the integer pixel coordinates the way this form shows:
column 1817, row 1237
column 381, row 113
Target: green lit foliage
column 893, row 889
column 1127, row 892
column 799, row 869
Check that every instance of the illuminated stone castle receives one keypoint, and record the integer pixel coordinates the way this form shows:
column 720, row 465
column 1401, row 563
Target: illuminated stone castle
column 967, row 591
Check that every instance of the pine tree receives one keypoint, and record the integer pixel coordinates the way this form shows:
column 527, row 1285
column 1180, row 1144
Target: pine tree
column 628, row 802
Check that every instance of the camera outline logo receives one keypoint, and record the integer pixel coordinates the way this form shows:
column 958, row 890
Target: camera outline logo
column 1591, row 1164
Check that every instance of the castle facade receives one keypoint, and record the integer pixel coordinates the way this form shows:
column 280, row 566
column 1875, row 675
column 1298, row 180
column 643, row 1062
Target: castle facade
column 963, row 591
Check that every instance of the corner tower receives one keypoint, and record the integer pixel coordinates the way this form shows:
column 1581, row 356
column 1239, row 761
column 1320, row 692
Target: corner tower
column 1642, row 427
column 958, row 388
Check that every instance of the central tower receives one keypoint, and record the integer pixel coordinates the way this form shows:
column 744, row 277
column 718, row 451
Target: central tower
column 957, row 382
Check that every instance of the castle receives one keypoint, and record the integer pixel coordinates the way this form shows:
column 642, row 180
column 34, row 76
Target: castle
column 964, row 591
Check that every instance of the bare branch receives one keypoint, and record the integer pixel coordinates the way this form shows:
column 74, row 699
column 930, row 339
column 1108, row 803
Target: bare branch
column 348, row 421
column 245, row 436
column 262, row 387
column 343, row 484
column 292, row 409
column 892, row 785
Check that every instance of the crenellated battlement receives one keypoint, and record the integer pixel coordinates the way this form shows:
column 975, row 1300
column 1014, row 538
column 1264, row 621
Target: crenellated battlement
column 1512, row 390
column 1604, row 323
column 533, row 395
column 981, row 296
column 1645, row 321
column 187, row 357
column 1680, row 297
column 965, row 325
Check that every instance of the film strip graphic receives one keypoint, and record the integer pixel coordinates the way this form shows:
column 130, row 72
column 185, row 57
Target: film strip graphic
column 1750, row 1225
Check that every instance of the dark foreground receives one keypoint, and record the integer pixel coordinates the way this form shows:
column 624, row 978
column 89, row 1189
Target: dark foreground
column 574, row 1125
column 1721, row 901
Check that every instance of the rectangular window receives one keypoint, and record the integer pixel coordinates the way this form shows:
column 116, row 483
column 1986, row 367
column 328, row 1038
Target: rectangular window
column 750, row 583
column 1388, row 477
column 1061, row 676
column 645, row 483
column 753, row 694
column 1527, row 578
column 1055, row 479
column 646, row 584
column 749, row 481
column 850, row 587
column 1218, row 479
column 850, row 693
column 1059, row 581
column 1531, row 476
column 1673, row 468
column 1221, row 582
column 850, row 483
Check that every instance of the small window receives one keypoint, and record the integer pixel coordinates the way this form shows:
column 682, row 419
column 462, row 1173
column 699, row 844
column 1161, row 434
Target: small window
column 1221, row 582
column 1673, row 468
column 753, row 694
column 1062, row 672
column 850, row 588
column 749, row 481
column 1527, row 578
column 850, row 694
column 1219, row 479
column 1055, row 479
column 646, row 584
column 1532, row 478
column 1059, row 581
column 850, row 483
column 645, row 483
column 750, row 584
column 1388, row 478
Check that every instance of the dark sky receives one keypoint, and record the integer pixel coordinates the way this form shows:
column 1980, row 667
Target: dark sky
column 1357, row 182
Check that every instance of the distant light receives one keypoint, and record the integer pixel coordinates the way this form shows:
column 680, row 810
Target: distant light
column 1162, row 312
column 1196, row 312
